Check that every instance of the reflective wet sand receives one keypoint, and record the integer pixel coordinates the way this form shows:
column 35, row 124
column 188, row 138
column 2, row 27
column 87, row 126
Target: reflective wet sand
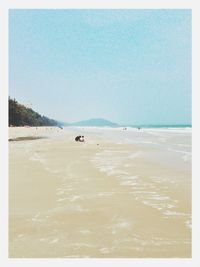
column 110, row 200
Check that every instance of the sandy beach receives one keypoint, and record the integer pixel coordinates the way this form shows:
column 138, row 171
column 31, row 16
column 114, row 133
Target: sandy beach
column 120, row 194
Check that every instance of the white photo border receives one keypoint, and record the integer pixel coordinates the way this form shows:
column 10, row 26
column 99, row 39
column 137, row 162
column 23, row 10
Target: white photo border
column 94, row 4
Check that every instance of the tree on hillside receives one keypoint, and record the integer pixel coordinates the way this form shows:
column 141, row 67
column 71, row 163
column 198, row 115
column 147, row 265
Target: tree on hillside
column 19, row 115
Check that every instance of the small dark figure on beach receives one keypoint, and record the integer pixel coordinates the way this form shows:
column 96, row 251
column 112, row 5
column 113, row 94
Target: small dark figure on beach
column 79, row 138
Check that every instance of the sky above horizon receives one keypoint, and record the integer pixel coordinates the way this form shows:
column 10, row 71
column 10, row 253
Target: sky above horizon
column 127, row 66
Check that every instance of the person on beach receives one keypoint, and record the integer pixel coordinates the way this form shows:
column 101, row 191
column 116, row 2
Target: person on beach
column 79, row 138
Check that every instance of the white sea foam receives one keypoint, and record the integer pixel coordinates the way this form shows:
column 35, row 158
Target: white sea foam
column 188, row 224
column 54, row 241
column 128, row 183
column 165, row 151
column 120, row 225
column 135, row 155
column 70, row 198
column 141, row 191
column 20, row 236
column 104, row 250
column 102, row 194
column 85, row 231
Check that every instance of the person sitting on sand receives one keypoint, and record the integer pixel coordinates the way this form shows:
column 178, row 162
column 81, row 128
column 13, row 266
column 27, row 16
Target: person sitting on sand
column 77, row 138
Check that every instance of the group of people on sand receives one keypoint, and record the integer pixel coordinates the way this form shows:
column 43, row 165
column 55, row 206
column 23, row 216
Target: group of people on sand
column 79, row 138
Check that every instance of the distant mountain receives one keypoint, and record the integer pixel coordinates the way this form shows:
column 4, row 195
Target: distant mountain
column 95, row 122
column 19, row 115
column 63, row 123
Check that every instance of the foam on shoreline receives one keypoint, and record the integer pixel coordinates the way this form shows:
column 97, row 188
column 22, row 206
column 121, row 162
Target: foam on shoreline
column 112, row 200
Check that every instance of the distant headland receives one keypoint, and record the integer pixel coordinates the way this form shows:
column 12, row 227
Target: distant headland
column 97, row 122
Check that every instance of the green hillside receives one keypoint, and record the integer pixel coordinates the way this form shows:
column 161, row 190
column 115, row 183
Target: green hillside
column 19, row 115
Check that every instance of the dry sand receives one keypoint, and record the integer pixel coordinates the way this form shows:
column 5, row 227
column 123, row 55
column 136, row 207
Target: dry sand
column 69, row 199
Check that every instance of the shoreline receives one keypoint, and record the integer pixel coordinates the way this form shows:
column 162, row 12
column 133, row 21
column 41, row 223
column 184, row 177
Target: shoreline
column 77, row 200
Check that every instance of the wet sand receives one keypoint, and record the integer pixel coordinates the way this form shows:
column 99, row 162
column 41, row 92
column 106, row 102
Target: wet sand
column 112, row 200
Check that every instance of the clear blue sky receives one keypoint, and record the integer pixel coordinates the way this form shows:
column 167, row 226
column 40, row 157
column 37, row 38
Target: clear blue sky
column 128, row 66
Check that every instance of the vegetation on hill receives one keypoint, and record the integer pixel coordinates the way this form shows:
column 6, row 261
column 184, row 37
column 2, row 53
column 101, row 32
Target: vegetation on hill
column 19, row 115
